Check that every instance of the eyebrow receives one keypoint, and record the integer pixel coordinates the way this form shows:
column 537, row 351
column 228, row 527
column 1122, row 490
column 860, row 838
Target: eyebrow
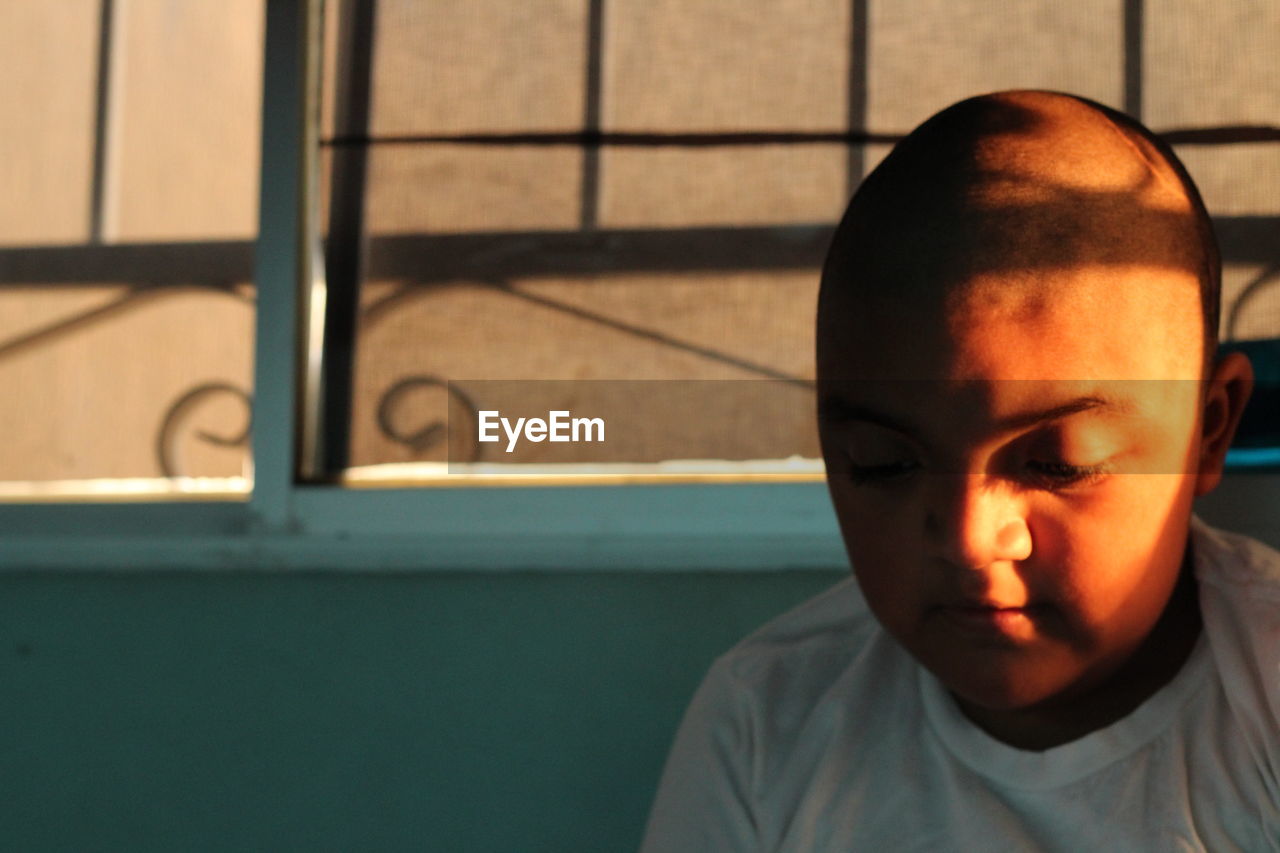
column 835, row 407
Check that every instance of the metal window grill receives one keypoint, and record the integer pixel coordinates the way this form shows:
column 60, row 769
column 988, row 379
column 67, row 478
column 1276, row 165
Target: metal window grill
column 621, row 189
column 597, row 245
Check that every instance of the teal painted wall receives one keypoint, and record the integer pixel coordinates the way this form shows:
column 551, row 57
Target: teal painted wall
column 449, row 712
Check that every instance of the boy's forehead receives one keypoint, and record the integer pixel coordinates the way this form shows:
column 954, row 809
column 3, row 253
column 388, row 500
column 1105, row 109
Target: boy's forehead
column 1090, row 322
column 977, row 367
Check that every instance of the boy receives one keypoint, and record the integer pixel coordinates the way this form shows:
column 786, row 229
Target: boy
column 1041, row 648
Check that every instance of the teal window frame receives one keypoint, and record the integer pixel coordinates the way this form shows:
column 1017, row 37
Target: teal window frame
column 291, row 525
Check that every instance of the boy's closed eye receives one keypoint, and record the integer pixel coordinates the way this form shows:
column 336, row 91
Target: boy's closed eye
column 1076, row 453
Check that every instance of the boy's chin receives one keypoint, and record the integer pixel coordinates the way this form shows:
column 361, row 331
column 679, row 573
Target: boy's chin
column 996, row 701
column 1005, row 692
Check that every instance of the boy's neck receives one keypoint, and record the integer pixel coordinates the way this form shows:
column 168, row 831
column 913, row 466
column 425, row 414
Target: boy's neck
column 1153, row 665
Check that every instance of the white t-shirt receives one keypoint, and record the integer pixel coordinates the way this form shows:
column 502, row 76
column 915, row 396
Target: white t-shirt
column 819, row 733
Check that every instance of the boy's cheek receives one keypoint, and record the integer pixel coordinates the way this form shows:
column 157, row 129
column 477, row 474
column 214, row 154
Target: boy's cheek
column 886, row 545
column 1125, row 507
column 873, row 520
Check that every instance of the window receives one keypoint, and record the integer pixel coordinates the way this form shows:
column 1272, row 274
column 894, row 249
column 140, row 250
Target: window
column 131, row 135
column 622, row 191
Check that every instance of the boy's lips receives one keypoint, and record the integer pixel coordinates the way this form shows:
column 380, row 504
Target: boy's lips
column 989, row 619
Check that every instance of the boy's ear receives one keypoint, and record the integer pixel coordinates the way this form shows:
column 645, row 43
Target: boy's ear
column 1230, row 384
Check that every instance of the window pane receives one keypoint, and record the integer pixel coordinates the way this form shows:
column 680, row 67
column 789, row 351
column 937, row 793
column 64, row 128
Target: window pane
column 129, row 141
column 728, row 186
column 631, row 346
column 496, row 244
column 1212, row 69
column 926, row 54
column 590, row 190
column 725, row 65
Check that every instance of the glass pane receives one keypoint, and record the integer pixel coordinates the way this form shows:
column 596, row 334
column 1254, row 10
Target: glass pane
column 129, row 140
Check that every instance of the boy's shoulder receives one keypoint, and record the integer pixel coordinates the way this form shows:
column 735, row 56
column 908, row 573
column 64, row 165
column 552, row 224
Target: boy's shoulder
column 809, row 644
column 832, row 616
column 1234, row 563
column 807, row 647
column 797, row 657
column 1239, row 581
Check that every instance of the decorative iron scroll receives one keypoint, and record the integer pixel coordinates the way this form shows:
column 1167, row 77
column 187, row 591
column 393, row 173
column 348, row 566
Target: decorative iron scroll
column 181, row 410
column 1269, row 276
column 433, row 433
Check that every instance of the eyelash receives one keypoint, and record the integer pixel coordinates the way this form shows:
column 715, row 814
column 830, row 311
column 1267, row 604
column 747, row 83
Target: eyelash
column 1047, row 475
column 1061, row 475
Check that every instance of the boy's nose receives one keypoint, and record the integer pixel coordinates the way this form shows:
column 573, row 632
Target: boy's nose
column 972, row 523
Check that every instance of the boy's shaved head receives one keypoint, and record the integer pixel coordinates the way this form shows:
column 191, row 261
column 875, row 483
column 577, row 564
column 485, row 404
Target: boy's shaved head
column 1028, row 182
column 1018, row 401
